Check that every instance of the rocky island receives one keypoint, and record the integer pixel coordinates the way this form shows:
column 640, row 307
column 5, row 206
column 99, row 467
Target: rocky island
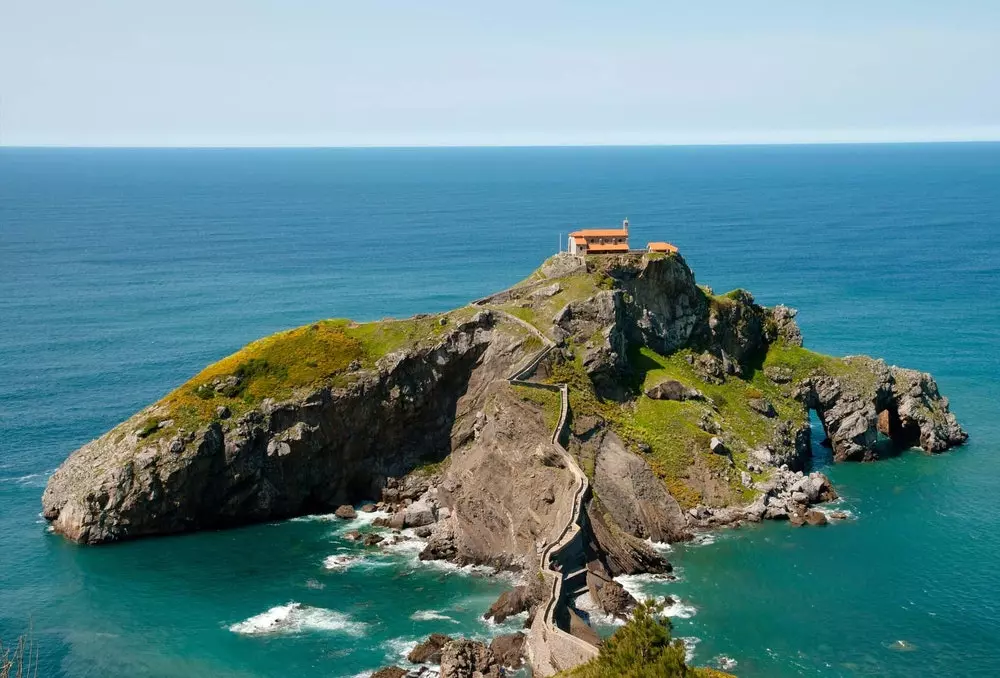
column 554, row 428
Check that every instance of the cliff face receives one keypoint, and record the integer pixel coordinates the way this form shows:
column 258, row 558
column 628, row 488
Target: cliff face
column 681, row 402
column 310, row 453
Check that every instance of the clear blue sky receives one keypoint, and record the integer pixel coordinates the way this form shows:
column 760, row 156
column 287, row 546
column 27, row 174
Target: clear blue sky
column 419, row 72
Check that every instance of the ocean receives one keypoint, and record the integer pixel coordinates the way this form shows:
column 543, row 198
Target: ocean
column 123, row 272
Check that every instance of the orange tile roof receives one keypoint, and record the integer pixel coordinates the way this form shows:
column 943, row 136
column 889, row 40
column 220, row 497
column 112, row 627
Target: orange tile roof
column 579, row 240
column 600, row 249
column 600, row 233
column 661, row 247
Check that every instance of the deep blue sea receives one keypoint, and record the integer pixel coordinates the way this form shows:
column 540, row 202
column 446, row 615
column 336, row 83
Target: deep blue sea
column 123, row 272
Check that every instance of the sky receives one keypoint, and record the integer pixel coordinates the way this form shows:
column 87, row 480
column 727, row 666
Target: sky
column 426, row 72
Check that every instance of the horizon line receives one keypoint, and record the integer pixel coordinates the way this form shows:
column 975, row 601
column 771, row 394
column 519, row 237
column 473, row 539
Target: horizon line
column 702, row 144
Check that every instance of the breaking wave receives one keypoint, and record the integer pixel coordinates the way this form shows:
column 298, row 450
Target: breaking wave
column 298, row 618
column 432, row 615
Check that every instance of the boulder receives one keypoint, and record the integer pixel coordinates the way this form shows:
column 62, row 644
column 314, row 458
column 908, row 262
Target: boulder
column 509, row 649
column 546, row 292
column 372, row 539
column 717, row 446
column 762, row 406
column 367, row 508
column 468, row 659
column 353, row 535
column 779, row 374
column 418, row 514
column 611, row 596
column 389, row 672
column 814, row 517
column 429, row 651
column 671, row 389
column 521, row 598
column 346, row 512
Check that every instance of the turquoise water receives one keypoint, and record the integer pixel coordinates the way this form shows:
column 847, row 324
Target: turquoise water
column 123, row 272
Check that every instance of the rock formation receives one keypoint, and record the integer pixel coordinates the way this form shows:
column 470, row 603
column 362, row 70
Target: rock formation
column 688, row 411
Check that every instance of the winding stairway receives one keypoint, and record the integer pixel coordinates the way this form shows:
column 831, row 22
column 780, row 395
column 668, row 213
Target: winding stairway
column 552, row 648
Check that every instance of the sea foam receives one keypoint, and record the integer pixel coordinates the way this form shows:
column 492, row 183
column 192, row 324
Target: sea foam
column 431, row 615
column 295, row 617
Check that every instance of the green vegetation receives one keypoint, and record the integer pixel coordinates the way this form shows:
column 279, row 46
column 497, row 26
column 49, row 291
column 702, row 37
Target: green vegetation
column 432, row 468
column 548, row 401
column 303, row 358
column 540, row 311
column 804, row 363
column 669, row 428
column 642, row 648
column 670, row 431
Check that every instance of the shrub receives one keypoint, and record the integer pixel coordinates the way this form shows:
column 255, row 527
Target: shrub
column 640, row 649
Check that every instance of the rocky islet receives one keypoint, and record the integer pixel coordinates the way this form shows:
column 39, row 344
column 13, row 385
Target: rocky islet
column 434, row 430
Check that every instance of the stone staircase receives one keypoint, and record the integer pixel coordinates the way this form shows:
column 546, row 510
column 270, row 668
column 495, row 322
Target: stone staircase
column 563, row 561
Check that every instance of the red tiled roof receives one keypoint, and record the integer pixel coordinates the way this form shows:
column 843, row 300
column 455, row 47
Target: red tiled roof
column 602, row 249
column 600, row 233
column 661, row 247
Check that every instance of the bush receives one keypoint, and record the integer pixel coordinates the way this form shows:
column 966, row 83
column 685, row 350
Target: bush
column 640, row 649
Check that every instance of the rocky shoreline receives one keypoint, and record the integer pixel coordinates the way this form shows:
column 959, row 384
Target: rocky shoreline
column 688, row 411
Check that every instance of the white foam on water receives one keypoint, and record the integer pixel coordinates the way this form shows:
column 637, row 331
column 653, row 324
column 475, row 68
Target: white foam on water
column 835, row 506
column 362, row 519
column 398, row 648
column 432, row 615
column 410, row 547
column 319, row 517
column 511, row 624
column 678, row 608
column 29, row 480
column 637, row 584
column 337, row 562
column 366, row 519
column 690, row 643
column 704, row 539
column 725, row 663
column 585, row 603
column 295, row 617
column 661, row 547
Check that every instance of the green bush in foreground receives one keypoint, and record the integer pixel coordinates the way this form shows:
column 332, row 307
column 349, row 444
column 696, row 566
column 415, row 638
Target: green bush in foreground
column 642, row 648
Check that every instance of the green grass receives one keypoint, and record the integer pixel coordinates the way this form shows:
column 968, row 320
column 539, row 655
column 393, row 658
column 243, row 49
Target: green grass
column 805, row 363
column 540, row 311
column 304, row 358
column 548, row 401
column 432, row 468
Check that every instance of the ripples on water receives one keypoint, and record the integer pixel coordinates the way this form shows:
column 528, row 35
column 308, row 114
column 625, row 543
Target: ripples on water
column 124, row 272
